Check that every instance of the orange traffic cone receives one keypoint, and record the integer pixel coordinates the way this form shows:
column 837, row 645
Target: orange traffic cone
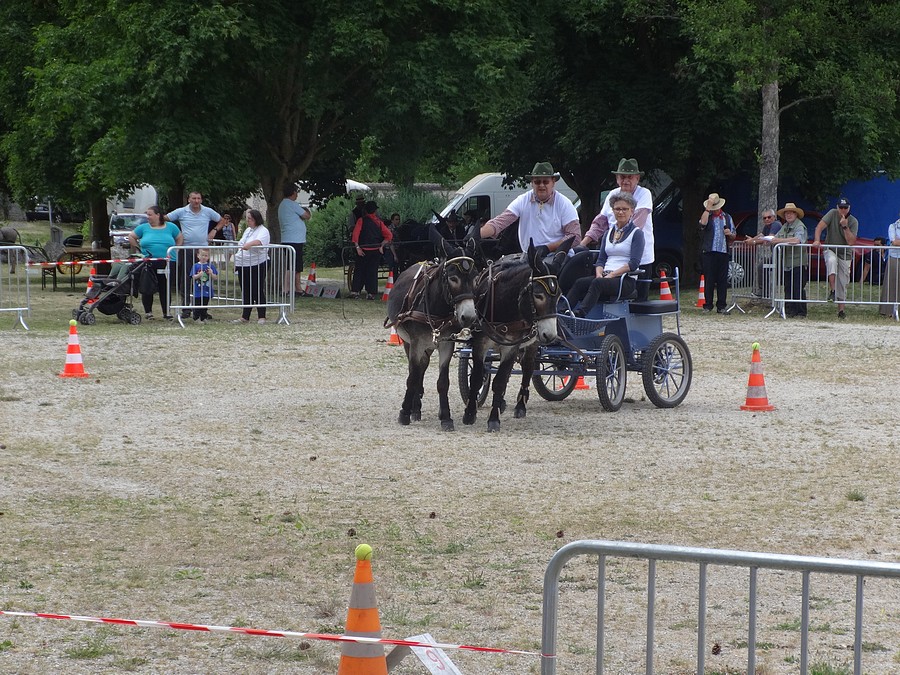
column 664, row 292
column 394, row 340
column 74, row 364
column 581, row 384
column 311, row 280
column 757, row 399
column 701, row 299
column 362, row 658
column 387, row 289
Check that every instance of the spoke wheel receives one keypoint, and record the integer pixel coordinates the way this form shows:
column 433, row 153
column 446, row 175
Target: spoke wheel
column 666, row 370
column 611, row 373
column 553, row 379
column 465, row 374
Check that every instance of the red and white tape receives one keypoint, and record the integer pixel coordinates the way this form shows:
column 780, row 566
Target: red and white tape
column 142, row 623
column 87, row 263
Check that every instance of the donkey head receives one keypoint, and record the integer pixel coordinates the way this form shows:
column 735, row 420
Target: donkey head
column 540, row 297
column 458, row 276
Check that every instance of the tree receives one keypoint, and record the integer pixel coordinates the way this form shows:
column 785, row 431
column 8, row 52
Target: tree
column 808, row 57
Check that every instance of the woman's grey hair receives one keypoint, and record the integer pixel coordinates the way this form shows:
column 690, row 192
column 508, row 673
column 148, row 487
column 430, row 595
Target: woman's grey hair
column 622, row 196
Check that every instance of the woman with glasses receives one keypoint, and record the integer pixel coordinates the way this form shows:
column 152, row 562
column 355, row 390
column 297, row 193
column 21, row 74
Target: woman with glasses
column 620, row 255
column 771, row 226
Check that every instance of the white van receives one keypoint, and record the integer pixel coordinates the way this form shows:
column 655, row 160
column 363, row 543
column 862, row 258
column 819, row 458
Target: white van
column 488, row 197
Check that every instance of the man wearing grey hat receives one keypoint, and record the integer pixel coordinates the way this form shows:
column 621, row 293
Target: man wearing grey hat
column 628, row 175
column 545, row 216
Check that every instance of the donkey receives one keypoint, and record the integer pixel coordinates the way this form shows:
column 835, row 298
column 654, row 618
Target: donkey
column 429, row 304
column 516, row 301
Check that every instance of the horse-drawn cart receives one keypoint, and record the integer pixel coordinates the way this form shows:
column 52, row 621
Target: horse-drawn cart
column 615, row 337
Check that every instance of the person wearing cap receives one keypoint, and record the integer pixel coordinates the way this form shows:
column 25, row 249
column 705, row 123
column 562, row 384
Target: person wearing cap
column 840, row 230
column 370, row 236
column 356, row 213
column 716, row 230
column 545, row 216
column 795, row 259
column 628, row 176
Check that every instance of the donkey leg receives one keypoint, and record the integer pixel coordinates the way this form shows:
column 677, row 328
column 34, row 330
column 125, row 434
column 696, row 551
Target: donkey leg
column 501, row 379
column 476, row 380
column 412, row 401
column 527, row 362
column 445, row 352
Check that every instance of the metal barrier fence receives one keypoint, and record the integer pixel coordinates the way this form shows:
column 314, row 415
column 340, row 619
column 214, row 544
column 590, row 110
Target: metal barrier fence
column 861, row 569
column 15, row 292
column 759, row 273
column 275, row 290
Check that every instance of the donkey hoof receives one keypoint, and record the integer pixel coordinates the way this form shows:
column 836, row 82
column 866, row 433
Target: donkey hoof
column 403, row 418
column 416, row 415
column 469, row 418
column 520, row 412
column 447, row 425
column 493, row 425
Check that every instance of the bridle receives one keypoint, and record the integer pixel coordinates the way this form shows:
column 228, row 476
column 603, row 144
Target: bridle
column 498, row 331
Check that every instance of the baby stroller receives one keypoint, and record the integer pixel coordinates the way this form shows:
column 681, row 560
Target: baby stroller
column 112, row 295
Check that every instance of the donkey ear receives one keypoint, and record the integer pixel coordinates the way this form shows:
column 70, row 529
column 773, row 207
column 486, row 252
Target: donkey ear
column 566, row 245
column 434, row 236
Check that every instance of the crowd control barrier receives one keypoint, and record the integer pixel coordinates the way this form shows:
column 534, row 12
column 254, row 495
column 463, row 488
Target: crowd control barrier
column 703, row 558
column 15, row 293
column 277, row 288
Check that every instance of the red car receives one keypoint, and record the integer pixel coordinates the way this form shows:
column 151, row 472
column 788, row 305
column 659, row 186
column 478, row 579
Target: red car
column 745, row 223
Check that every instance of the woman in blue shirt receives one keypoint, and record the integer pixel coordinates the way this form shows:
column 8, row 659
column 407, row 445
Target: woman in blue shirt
column 154, row 238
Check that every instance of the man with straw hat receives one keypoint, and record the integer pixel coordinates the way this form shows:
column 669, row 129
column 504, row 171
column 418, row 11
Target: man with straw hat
column 628, row 175
column 545, row 216
column 716, row 230
column 795, row 260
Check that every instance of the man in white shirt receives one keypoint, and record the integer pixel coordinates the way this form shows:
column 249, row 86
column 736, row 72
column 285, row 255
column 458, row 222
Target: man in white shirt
column 545, row 216
column 194, row 220
column 628, row 176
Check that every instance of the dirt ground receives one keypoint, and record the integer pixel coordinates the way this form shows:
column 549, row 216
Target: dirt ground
column 224, row 474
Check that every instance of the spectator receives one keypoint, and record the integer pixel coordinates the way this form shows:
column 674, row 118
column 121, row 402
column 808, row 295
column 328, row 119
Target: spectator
column 370, row 236
column 840, row 230
column 203, row 273
column 390, row 253
column 795, row 260
column 620, row 255
column 356, row 213
column 628, row 176
column 292, row 217
column 717, row 229
column 771, row 226
column 252, row 265
column 453, row 228
column 545, row 216
column 153, row 239
column 194, row 220
column 890, row 282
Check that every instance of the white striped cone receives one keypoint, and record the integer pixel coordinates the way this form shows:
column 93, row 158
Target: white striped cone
column 74, row 364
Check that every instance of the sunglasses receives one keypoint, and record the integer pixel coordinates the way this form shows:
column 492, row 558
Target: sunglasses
column 542, row 181
column 621, row 209
column 768, row 217
column 844, row 207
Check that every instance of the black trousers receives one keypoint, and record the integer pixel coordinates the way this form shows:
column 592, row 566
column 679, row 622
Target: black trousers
column 795, row 289
column 715, row 272
column 253, row 288
column 163, row 288
column 366, row 272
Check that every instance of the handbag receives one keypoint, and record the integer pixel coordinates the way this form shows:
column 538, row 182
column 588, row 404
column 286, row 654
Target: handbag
column 149, row 281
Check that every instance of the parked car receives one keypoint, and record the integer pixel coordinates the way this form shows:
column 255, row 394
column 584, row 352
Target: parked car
column 60, row 215
column 745, row 223
column 122, row 224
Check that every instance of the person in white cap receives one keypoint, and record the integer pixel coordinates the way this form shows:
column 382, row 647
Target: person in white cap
column 716, row 230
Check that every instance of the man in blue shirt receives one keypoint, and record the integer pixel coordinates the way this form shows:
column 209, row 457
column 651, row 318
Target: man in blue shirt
column 292, row 217
column 194, row 220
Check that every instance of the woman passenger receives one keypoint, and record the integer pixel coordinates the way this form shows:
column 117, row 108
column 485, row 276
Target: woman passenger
column 620, row 254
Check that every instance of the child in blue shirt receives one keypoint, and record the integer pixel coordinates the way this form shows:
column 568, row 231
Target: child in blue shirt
column 203, row 273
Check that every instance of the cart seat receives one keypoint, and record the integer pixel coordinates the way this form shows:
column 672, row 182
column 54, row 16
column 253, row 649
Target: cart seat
column 653, row 307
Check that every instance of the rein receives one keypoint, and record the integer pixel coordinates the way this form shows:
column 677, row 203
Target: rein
column 418, row 294
column 498, row 331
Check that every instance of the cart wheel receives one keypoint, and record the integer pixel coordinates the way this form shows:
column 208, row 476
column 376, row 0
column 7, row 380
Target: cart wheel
column 611, row 373
column 88, row 318
column 554, row 380
column 75, row 313
column 465, row 373
column 134, row 319
column 124, row 314
column 67, row 270
column 666, row 370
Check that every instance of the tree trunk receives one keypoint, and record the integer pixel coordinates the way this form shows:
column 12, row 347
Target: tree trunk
column 99, row 223
column 771, row 153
